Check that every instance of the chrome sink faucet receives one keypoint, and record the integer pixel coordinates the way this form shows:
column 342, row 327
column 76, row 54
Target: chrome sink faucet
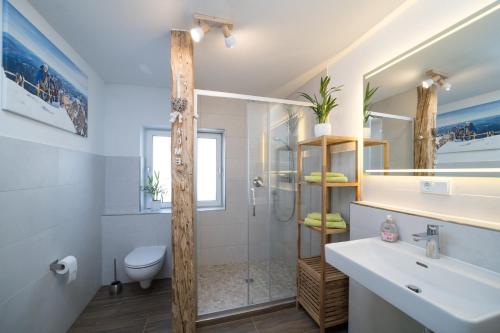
column 432, row 238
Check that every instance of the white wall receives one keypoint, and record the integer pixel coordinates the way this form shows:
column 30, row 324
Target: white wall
column 471, row 101
column 413, row 23
column 123, row 226
column 128, row 110
column 15, row 126
column 51, row 200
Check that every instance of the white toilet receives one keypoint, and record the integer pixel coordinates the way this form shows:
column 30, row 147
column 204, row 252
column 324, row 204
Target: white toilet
column 143, row 263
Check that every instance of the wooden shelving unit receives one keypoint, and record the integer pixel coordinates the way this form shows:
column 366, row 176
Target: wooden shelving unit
column 379, row 142
column 330, row 231
column 322, row 290
column 348, row 184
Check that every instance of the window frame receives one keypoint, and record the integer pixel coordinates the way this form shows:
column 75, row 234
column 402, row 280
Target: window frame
column 218, row 135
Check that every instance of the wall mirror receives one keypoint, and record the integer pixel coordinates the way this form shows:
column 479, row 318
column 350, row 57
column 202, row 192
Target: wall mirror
column 436, row 108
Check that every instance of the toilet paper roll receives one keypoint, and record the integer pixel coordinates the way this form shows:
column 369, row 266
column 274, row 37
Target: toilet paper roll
column 70, row 266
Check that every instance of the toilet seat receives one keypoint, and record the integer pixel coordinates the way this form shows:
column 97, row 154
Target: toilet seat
column 145, row 256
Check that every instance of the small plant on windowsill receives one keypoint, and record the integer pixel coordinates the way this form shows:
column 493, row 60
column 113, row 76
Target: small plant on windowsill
column 155, row 190
column 323, row 106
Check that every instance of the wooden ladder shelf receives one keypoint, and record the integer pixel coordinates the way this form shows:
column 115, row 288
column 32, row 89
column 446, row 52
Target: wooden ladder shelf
column 322, row 290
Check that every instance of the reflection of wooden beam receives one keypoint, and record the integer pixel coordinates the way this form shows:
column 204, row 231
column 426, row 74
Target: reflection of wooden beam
column 183, row 275
column 424, row 146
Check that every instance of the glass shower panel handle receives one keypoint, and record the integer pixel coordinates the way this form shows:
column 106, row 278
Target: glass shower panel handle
column 252, row 193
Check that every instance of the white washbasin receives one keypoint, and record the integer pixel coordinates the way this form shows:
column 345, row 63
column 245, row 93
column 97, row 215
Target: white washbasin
column 454, row 296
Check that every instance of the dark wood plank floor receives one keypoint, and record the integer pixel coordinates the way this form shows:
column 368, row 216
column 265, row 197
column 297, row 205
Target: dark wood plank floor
column 149, row 311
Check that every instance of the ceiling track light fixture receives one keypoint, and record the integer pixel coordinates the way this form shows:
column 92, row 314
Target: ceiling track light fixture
column 205, row 23
column 229, row 39
column 436, row 78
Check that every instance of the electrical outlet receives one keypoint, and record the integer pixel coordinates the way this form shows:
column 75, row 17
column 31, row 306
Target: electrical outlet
column 441, row 187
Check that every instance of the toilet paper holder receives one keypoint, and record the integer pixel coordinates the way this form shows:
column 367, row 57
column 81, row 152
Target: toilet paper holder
column 55, row 266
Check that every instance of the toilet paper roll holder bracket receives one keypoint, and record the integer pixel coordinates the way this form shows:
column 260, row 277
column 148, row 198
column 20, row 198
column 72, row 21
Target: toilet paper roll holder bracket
column 55, row 266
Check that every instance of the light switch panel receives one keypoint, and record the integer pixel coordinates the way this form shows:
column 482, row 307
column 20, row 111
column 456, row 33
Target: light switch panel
column 441, row 187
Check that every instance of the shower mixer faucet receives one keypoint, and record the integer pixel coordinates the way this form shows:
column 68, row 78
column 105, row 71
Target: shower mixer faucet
column 258, row 182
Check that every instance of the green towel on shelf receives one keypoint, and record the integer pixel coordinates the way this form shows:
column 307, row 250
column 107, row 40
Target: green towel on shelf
column 330, row 217
column 317, row 179
column 328, row 174
column 329, row 225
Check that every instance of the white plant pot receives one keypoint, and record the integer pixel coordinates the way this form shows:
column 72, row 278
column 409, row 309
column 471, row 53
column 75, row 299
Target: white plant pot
column 155, row 205
column 367, row 132
column 322, row 129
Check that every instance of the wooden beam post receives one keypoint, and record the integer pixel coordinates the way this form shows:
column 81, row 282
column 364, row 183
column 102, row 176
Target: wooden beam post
column 183, row 133
column 424, row 147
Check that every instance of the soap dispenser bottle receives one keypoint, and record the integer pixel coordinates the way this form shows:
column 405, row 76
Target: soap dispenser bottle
column 389, row 230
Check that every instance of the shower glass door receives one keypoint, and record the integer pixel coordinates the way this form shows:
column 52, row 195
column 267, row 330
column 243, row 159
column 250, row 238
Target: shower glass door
column 272, row 130
column 246, row 250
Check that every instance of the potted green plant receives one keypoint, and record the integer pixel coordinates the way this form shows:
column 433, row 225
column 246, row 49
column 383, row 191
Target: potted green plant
column 369, row 92
column 155, row 190
column 323, row 106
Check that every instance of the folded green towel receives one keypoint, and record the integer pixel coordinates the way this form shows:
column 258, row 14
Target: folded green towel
column 316, row 223
column 331, row 217
column 317, row 179
column 328, row 174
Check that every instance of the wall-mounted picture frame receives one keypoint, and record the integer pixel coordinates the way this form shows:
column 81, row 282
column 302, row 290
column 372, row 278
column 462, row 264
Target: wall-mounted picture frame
column 39, row 81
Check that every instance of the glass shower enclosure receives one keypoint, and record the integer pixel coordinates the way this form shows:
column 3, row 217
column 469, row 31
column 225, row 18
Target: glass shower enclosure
column 246, row 249
column 398, row 131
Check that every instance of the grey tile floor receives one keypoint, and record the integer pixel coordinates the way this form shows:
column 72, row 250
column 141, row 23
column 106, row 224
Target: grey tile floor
column 149, row 311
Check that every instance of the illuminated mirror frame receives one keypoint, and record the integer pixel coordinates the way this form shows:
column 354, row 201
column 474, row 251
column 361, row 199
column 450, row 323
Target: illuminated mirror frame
column 453, row 29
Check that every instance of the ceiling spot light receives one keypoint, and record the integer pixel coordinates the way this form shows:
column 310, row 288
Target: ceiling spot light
column 436, row 78
column 229, row 39
column 197, row 33
column 206, row 22
column 427, row 83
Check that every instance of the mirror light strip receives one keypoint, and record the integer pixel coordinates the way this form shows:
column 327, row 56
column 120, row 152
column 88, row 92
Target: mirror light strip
column 212, row 93
column 445, row 34
column 463, row 170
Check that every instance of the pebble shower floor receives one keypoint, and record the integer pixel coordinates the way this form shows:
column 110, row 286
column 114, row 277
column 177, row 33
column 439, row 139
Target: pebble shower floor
column 224, row 287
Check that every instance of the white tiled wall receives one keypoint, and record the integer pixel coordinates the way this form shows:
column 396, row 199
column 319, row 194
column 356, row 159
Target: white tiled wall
column 51, row 200
column 222, row 235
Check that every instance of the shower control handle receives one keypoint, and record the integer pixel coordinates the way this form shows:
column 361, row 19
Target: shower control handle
column 258, row 182
column 252, row 190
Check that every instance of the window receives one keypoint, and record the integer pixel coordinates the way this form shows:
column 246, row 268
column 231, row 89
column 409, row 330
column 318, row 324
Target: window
column 209, row 173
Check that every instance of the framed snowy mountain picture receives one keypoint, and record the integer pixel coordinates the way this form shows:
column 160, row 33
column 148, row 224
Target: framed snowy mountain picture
column 469, row 135
column 39, row 81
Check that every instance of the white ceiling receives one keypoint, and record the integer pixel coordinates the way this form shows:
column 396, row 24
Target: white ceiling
column 277, row 40
column 469, row 57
